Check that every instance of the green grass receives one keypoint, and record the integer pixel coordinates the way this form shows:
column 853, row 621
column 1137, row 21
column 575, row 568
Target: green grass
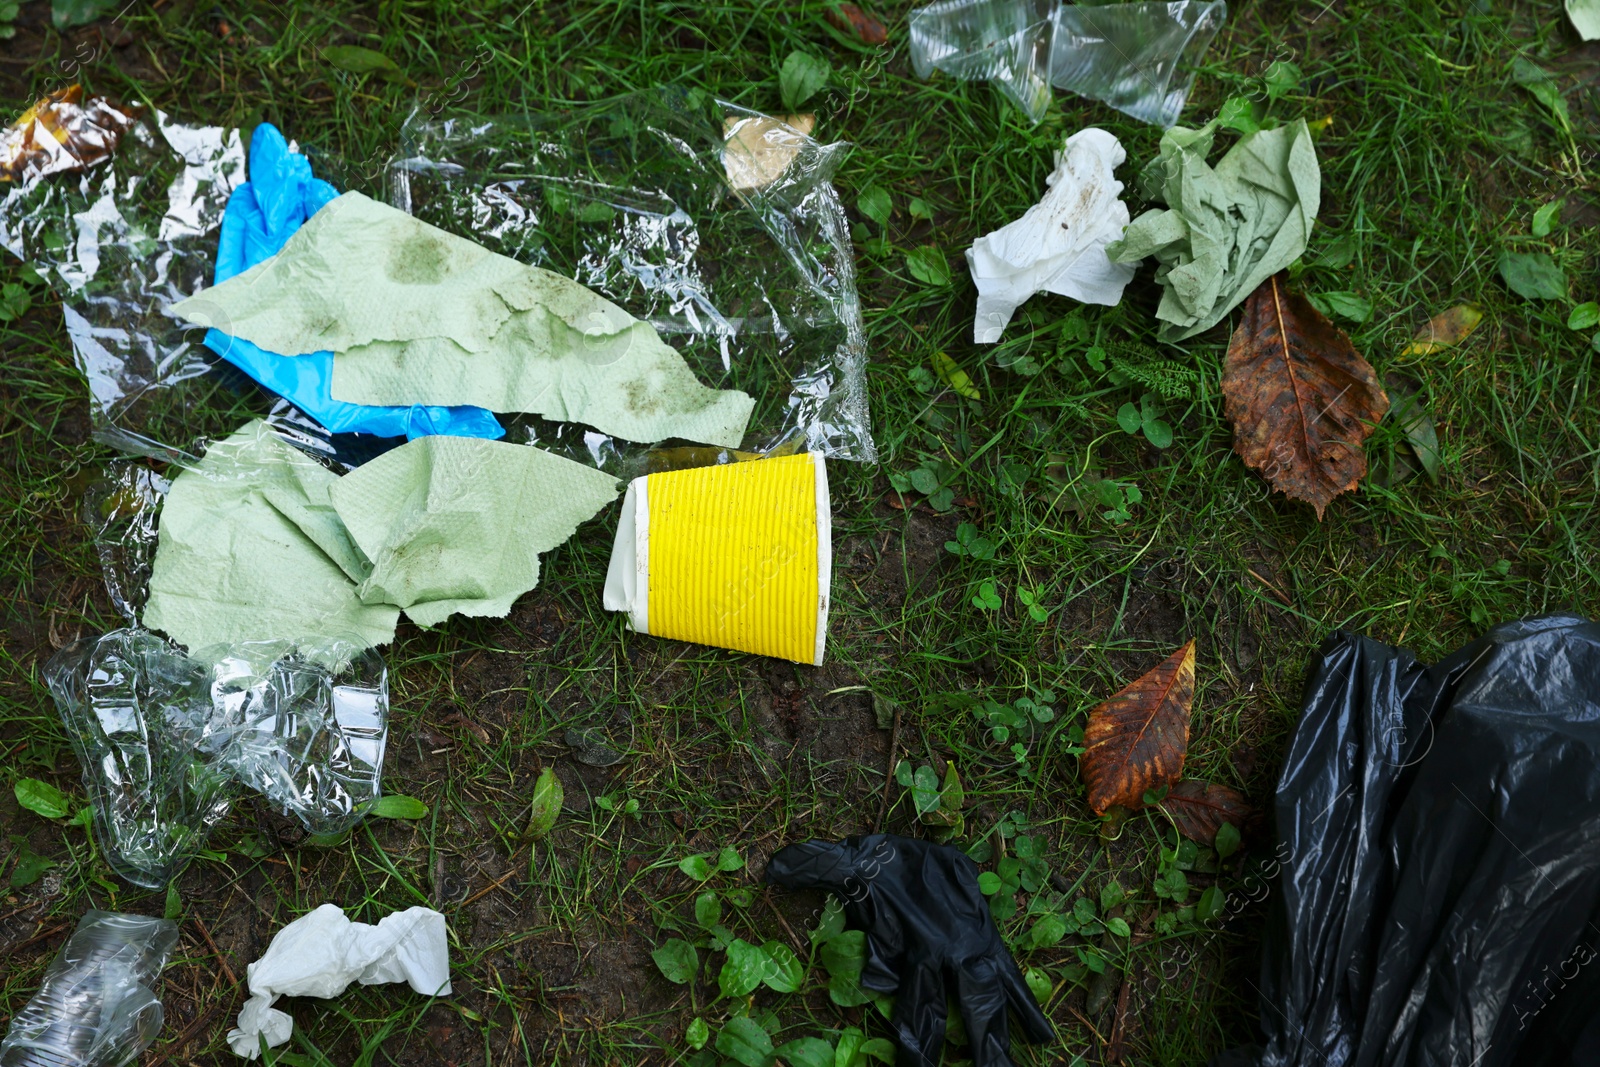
column 1433, row 164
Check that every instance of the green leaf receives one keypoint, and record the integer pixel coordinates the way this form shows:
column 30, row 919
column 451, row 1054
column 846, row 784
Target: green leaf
column 831, row 924
column 1112, row 895
column 924, row 481
column 1119, row 927
column 785, row 973
column 174, row 909
column 677, row 961
column 42, row 798
column 743, row 970
column 1281, row 78
column 1533, row 275
column 745, row 1041
column 729, row 859
column 547, row 799
column 1129, row 419
column 879, row 1048
column 1236, row 114
column 951, row 374
column 1344, row 304
column 396, row 806
column 919, row 208
column 1544, row 219
column 1542, row 85
column 1158, row 433
column 1047, row 931
column 1211, row 904
column 357, row 60
column 1227, row 842
column 697, row 1033
column 1405, row 404
column 876, row 204
column 800, row 77
column 1339, row 253
column 707, row 910
column 989, row 883
column 1584, row 316
column 807, row 1052
column 928, row 265
column 65, row 14
column 1039, row 984
column 29, row 866
column 925, row 790
column 696, row 867
column 14, row 302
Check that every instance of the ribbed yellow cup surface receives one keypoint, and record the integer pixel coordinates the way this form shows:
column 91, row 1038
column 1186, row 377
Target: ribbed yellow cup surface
column 733, row 556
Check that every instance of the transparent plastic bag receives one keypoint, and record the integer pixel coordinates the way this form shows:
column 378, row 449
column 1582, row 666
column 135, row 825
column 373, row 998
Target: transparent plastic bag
column 166, row 743
column 628, row 196
column 95, row 1007
column 632, row 197
column 1139, row 58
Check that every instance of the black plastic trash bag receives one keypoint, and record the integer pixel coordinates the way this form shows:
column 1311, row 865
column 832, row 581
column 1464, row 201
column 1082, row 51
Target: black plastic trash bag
column 1439, row 835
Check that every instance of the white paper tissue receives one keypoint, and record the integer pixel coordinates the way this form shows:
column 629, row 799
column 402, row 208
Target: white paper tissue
column 322, row 952
column 1059, row 244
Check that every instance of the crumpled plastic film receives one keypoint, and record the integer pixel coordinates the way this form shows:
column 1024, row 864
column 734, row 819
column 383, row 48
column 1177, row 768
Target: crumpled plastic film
column 632, row 198
column 121, row 229
column 166, row 742
column 1139, row 58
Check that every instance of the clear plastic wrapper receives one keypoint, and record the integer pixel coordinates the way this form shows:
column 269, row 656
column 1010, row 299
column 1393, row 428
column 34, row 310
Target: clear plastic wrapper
column 630, row 196
column 1139, row 58
column 95, row 1007
column 166, row 743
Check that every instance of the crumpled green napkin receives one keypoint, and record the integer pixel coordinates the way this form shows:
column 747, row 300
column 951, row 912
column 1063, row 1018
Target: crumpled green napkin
column 415, row 312
column 1226, row 229
column 455, row 525
column 250, row 549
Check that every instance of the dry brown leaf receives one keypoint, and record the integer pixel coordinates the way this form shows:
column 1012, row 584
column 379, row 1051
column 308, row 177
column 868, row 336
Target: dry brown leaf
column 1200, row 808
column 1301, row 399
column 1136, row 741
column 1445, row 330
column 757, row 150
column 848, row 18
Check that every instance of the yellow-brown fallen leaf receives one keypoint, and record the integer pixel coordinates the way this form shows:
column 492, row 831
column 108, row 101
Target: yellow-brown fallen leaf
column 1301, row 399
column 951, row 374
column 757, row 150
column 1137, row 740
column 1445, row 330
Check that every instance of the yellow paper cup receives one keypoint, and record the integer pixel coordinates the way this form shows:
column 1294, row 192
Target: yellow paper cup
column 738, row 556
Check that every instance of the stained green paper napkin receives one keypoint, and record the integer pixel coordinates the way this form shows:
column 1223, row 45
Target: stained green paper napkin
column 1226, row 229
column 247, row 543
column 455, row 525
column 422, row 314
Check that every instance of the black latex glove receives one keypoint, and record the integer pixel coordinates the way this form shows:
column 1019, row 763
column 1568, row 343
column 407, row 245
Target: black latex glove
column 929, row 935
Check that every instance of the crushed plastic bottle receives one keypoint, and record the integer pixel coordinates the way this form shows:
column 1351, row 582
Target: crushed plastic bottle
column 95, row 1007
column 166, row 742
column 1139, row 58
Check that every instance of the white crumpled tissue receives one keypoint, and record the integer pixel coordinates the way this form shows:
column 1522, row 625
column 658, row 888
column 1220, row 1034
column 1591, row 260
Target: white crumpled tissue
column 1059, row 244
column 321, row 953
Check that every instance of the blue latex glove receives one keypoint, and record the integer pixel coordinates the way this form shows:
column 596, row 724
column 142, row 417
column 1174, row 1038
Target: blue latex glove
column 262, row 215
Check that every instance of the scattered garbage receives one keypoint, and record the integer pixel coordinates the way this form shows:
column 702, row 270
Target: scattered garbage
column 166, row 741
column 930, row 938
column 1225, row 230
column 95, row 1006
column 1437, row 840
column 322, row 952
column 1139, row 58
column 262, row 214
column 1059, row 244
column 414, row 314
column 62, row 132
column 628, row 196
column 737, row 555
column 759, row 149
